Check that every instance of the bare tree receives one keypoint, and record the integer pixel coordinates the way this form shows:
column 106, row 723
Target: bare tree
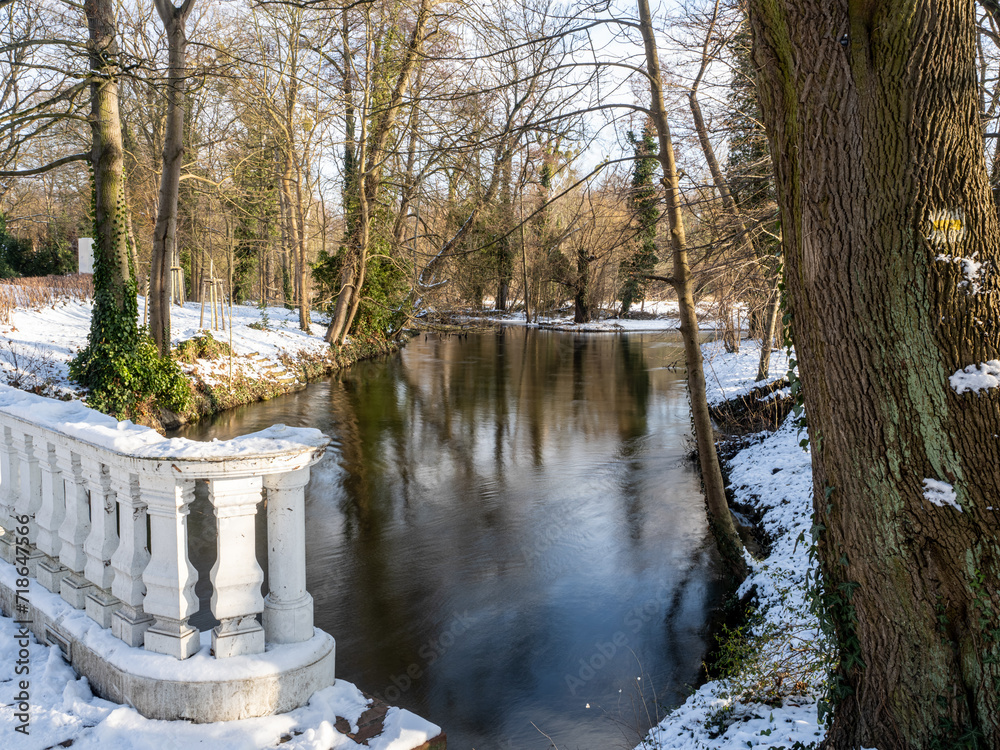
column 719, row 517
column 174, row 20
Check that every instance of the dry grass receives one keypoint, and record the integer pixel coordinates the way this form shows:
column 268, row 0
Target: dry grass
column 42, row 291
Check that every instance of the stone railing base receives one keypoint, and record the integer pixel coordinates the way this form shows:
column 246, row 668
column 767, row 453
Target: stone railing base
column 199, row 689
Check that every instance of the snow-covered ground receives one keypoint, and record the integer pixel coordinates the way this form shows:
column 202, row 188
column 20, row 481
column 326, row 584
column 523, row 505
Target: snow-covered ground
column 37, row 346
column 729, row 376
column 775, row 475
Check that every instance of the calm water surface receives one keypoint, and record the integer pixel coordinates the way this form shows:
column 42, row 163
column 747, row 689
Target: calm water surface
column 504, row 532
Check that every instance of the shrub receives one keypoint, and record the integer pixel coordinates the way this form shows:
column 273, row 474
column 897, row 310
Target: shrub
column 129, row 379
column 201, row 347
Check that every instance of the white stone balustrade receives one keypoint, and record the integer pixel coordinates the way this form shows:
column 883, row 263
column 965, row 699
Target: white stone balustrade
column 29, row 493
column 170, row 577
column 129, row 560
column 102, row 541
column 75, row 528
column 8, row 497
column 86, row 484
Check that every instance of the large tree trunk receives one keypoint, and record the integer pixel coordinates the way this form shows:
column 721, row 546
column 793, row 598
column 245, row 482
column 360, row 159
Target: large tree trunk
column 111, row 251
column 872, row 112
column 719, row 518
column 165, row 232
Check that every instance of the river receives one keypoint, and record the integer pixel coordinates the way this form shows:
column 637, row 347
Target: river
column 506, row 535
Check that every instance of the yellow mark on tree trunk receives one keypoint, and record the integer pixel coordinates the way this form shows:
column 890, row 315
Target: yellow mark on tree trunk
column 946, row 227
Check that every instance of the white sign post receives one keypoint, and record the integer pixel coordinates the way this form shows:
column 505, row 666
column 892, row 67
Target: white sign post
column 86, row 253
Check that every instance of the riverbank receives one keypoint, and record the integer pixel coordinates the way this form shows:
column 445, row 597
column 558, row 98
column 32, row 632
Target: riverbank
column 771, row 671
column 262, row 353
column 654, row 315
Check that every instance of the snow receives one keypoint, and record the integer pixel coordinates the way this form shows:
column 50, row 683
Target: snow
column 976, row 378
column 82, row 423
column 37, row 346
column 665, row 312
column 403, row 730
column 971, row 270
column 941, row 494
column 731, row 375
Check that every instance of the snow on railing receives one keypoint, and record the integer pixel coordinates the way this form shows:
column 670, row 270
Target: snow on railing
column 77, row 488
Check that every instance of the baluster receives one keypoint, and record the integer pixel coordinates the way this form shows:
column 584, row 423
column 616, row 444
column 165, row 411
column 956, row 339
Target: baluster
column 236, row 576
column 50, row 516
column 74, row 529
column 101, row 542
column 288, row 607
column 129, row 560
column 170, row 577
column 29, row 497
column 9, row 484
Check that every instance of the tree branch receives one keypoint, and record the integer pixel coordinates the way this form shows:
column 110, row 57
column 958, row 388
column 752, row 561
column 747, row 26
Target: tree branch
column 654, row 277
column 47, row 167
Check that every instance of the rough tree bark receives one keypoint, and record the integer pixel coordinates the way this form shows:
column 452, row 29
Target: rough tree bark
column 111, row 250
column 872, row 113
column 164, row 234
column 719, row 518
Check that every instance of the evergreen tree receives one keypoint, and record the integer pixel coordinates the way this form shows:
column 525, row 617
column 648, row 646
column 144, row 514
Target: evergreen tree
column 644, row 204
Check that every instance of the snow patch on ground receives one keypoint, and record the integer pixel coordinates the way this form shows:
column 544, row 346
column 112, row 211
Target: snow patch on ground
column 63, row 709
column 665, row 312
column 731, row 375
column 37, row 346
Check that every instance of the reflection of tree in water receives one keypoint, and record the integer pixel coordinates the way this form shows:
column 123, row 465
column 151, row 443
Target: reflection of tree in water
column 512, row 476
column 373, row 447
column 469, row 408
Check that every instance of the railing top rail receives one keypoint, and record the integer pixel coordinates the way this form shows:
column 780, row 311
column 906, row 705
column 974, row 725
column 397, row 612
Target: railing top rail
column 278, row 445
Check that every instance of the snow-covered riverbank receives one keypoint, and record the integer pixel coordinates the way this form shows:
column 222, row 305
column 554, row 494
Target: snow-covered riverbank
column 37, row 346
column 771, row 699
column 661, row 315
